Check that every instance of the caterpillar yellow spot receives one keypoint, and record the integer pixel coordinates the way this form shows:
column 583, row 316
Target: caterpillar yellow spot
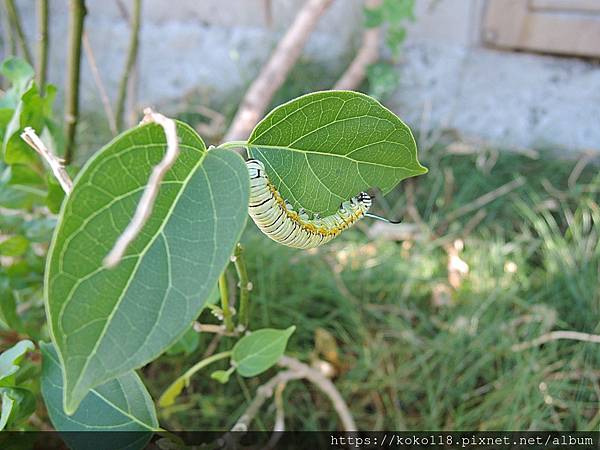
column 277, row 220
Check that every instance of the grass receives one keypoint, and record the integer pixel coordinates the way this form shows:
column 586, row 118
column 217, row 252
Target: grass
column 410, row 350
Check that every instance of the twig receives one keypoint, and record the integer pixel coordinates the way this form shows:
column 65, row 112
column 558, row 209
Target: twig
column 262, row 394
column 275, row 71
column 554, row 336
column 296, row 370
column 224, row 291
column 76, row 16
column 279, row 426
column 146, row 203
column 130, row 62
column 326, row 386
column 366, row 55
column 91, row 59
column 244, row 285
column 15, row 20
column 485, row 199
column 42, row 49
column 214, row 329
column 58, row 169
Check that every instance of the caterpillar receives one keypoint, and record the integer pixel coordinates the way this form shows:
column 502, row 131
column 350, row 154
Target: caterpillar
column 277, row 219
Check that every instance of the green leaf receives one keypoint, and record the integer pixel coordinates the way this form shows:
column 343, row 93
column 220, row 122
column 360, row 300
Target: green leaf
column 222, row 376
column 17, row 405
column 17, row 71
column 55, row 195
column 14, row 246
column 10, row 359
column 168, row 272
column 259, row 351
column 32, row 111
column 324, row 148
column 121, row 404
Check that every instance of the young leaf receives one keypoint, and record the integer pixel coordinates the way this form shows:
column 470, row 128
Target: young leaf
column 106, row 322
column 324, row 148
column 121, row 404
column 10, row 359
column 17, row 405
column 259, row 351
column 222, row 376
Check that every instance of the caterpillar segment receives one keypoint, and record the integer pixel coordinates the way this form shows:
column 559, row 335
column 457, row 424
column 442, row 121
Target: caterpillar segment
column 277, row 219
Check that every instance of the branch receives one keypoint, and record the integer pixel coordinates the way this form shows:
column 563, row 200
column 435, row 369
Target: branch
column 15, row 20
column 91, row 59
column 326, row 386
column 244, row 285
column 146, row 204
column 554, row 336
column 274, row 73
column 296, row 370
column 224, row 292
column 56, row 165
column 367, row 54
column 42, row 49
column 262, row 394
column 76, row 15
column 130, row 62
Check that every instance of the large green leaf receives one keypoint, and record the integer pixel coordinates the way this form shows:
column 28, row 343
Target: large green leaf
column 324, row 148
column 259, row 351
column 121, row 404
column 107, row 322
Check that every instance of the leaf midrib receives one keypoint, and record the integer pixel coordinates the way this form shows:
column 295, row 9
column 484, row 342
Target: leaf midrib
column 134, row 272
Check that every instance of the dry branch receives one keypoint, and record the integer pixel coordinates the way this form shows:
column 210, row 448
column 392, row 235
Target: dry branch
column 274, row 73
column 130, row 62
column 56, row 165
column 367, row 54
column 296, row 370
column 91, row 59
column 555, row 336
column 146, row 204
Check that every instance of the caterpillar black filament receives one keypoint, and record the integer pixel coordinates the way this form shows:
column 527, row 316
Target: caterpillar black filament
column 280, row 222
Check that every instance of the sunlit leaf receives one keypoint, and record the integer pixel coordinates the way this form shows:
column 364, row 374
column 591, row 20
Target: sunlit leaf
column 324, row 148
column 260, row 350
column 168, row 272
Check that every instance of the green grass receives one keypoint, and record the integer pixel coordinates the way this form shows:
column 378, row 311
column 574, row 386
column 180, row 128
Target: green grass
column 407, row 360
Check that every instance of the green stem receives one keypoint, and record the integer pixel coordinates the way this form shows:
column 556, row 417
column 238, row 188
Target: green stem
column 244, row 285
column 224, row 290
column 42, row 50
column 168, row 396
column 15, row 20
column 77, row 13
column 130, row 62
column 233, row 144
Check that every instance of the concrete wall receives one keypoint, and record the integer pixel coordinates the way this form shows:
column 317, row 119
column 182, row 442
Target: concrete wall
column 216, row 47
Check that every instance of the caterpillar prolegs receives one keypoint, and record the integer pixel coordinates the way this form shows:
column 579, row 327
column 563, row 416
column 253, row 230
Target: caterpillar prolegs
column 280, row 222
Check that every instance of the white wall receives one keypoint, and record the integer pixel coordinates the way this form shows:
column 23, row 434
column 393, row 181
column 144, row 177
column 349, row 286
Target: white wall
column 216, row 47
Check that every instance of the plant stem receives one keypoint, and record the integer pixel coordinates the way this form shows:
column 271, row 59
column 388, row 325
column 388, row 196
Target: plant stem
column 15, row 20
column 77, row 13
column 244, row 284
column 130, row 62
column 223, row 289
column 42, row 50
column 183, row 380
